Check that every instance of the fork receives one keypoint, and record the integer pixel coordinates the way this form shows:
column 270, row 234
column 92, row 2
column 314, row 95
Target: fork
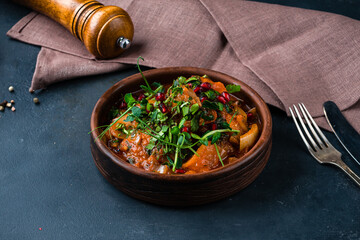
column 320, row 148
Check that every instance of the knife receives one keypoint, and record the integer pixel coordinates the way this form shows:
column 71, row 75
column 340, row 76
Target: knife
column 344, row 132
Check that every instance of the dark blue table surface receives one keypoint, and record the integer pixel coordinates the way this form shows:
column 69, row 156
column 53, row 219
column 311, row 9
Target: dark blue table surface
column 48, row 180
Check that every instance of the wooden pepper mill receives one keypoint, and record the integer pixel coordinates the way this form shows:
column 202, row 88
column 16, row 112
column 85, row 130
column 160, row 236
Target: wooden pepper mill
column 106, row 31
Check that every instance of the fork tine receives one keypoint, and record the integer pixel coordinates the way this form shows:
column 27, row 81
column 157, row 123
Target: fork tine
column 307, row 116
column 314, row 145
column 299, row 129
column 327, row 143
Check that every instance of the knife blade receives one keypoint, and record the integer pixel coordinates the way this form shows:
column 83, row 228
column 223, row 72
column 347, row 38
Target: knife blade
column 342, row 129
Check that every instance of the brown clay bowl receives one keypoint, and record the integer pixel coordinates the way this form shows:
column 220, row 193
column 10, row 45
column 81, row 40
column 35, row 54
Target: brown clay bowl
column 179, row 190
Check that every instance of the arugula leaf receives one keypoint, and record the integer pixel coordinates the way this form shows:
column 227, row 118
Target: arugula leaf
column 129, row 99
column 204, row 142
column 179, row 163
column 222, row 124
column 170, row 160
column 156, row 84
column 149, row 107
column 161, row 117
column 228, row 108
column 211, row 94
column 220, row 106
column 185, row 110
column 180, row 140
column 194, row 108
column 154, row 116
column 233, row 88
column 195, row 136
column 176, row 83
column 150, row 146
column 215, row 137
column 187, row 135
column 129, row 118
column 210, row 105
column 164, row 128
column 175, row 131
column 204, row 115
column 195, row 123
column 181, row 80
column 114, row 112
column 136, row 111
column 182, row 121
column 193, row 78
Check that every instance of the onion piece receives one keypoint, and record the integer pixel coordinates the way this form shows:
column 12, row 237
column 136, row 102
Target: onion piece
column 248, row 139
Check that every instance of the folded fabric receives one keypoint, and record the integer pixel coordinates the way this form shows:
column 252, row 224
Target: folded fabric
column 288, row 55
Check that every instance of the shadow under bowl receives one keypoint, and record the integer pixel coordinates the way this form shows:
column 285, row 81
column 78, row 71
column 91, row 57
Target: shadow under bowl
column 179, row 190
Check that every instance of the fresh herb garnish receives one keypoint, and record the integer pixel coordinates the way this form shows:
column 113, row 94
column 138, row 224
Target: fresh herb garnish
column 176, row 132
column 233, row 88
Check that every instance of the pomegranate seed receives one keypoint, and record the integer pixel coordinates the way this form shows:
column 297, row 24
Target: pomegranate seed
column 221, row 99
column 179, row 171
column 123, row 105
column 204, row 99
column 197, row 89
column 163, row 108
column 226, row 95
column 205, row 86
column 250, row 116
column 141, row 97
column 185, row 129
column 213, row 126
column 189, row 85
column 160, row 97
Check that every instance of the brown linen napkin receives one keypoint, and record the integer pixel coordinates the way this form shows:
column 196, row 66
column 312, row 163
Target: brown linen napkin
column 288, row 55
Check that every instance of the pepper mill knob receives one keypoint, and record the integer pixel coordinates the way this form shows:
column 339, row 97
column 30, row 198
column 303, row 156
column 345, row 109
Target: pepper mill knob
column 106, row 31
column 123, row 42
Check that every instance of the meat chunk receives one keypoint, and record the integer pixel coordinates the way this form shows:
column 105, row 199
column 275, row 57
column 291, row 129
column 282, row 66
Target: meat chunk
column 114, row 128
column 217, row 86
column 207, row 158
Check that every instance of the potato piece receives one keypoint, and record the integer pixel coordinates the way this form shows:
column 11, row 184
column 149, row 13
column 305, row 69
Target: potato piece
column 164, row 169
column 248, row 139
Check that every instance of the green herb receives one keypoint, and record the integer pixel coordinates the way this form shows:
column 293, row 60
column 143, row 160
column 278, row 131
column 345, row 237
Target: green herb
column 210, row 105
column 194, row 108
column 175, row 131
column 217, row 151
column 206, row 117
column 136, row 111
column 147, row 84
column 102, row 134
column 233, row 117
column 185, row 110
column 129, row 118
column 215, row 137
column 211, row 94
column 213, row 105
column 129, row 99
column 195, row 123
column 114, row 112
column 233, row 88
column 228, row 108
